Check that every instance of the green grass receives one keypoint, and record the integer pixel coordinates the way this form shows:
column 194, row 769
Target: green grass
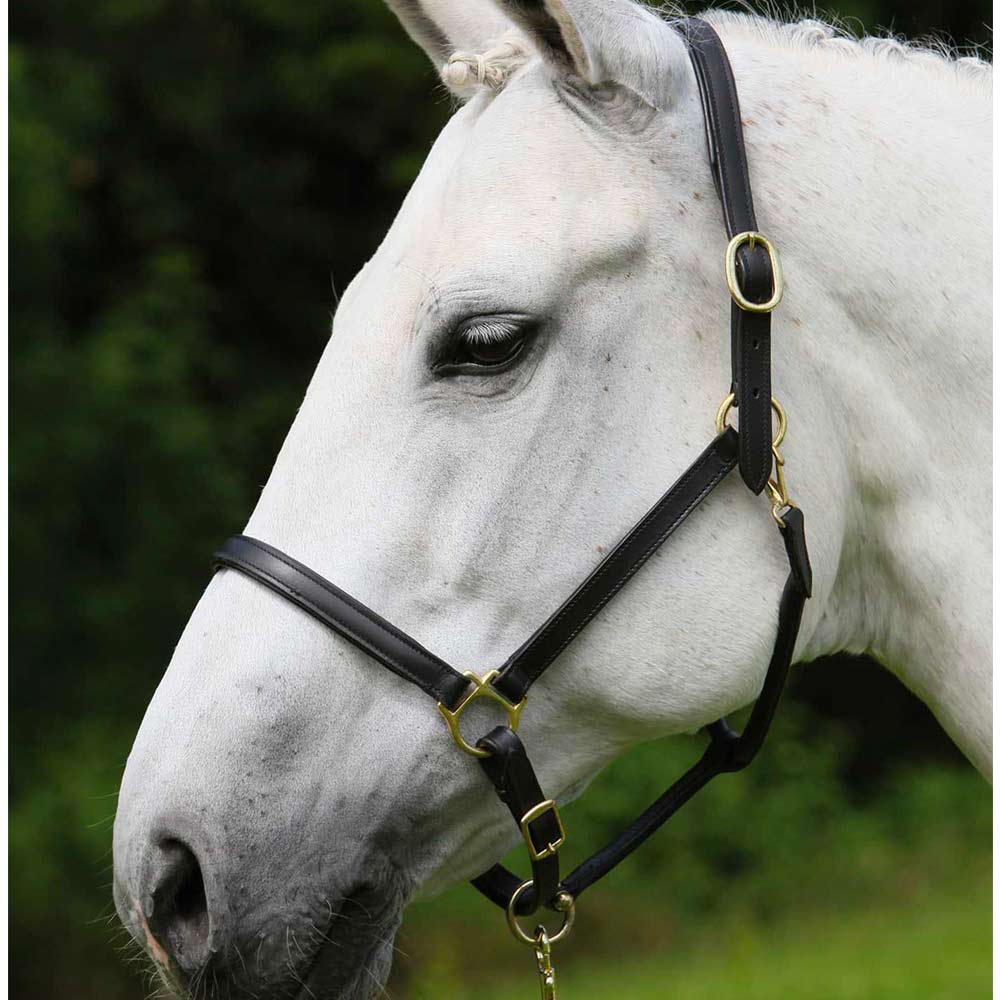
column 936, row 946
column 938, row 949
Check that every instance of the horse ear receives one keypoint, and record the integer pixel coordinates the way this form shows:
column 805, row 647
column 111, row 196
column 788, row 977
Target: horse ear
column 606, row 41
column 441, row 27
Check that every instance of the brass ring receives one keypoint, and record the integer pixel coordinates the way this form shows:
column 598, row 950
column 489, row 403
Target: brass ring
column 723, row 411
column 730, row 401
column 564, row 904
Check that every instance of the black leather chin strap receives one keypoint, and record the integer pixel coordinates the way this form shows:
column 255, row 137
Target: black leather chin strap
column 501, row 753
column 513, row 777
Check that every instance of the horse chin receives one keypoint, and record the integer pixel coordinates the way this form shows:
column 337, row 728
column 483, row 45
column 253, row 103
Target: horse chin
column 330, row 979
column 354, row 957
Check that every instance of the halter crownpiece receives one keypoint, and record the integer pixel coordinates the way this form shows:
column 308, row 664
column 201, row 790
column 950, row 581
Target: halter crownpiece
column 753, row 275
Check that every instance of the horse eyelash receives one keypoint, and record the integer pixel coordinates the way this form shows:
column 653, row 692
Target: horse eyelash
column 488, row 331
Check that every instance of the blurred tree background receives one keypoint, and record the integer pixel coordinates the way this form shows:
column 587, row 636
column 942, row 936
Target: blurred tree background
column 190, row 184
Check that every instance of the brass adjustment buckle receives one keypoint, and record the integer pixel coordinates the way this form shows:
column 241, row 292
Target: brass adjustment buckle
column 777, row 280
column 482, row 688
column 777, row 491
column 535, row 812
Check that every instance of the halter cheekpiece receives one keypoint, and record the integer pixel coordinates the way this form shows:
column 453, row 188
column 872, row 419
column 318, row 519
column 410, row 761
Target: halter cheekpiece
column 753, row 275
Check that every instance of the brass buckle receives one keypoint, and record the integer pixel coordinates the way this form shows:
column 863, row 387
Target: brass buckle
column 535, row 812
column 777, row 281
column 482, row 688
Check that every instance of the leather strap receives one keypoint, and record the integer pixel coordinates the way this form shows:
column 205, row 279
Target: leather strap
column 750, row 332
column 526, row 665
column 343, row 613
column 513, row 777
column 727, row 750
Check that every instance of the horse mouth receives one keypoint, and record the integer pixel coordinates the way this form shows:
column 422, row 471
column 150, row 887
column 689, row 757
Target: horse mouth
column 349, row 958
column 354, row 952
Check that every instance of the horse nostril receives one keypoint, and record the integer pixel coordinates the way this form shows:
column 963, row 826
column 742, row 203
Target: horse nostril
column 178, row 910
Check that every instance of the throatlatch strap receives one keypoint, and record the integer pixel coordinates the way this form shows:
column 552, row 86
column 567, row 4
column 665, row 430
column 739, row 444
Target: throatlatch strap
column 706, row 472
column 750, row 331
column 727, row 750
column 346, row 615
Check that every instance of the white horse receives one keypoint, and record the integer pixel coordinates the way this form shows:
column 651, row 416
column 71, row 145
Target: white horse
column 531, row 357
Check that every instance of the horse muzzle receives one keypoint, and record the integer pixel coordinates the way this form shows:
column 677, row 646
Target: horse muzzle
column 215, row 927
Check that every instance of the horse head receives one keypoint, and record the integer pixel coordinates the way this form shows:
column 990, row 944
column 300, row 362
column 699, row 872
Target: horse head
column 534, row 352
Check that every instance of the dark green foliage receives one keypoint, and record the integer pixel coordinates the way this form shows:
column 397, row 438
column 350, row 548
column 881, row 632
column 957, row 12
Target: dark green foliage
column 190, row 184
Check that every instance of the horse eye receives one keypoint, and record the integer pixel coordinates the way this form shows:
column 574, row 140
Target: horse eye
column 495, row 352
column 484, row 346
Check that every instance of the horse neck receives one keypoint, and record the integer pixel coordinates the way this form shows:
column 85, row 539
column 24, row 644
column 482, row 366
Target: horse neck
column 873, row 176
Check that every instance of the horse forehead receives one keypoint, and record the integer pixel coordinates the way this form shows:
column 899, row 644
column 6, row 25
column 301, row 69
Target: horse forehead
column 517, row 183
column 525, row 148
column 505, row 164
column 517, row 194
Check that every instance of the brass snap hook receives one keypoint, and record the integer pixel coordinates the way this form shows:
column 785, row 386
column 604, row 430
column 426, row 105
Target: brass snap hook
column 541, row 940
column 543, row 960
column 777, row 491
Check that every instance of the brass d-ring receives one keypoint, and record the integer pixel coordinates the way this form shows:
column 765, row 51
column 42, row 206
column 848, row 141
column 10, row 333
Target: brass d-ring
column 730, row 401
column 564, row 904
column 723, row 411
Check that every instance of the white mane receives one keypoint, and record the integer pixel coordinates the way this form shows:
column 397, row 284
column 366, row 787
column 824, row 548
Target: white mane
column 466, row 72
column 834, row 35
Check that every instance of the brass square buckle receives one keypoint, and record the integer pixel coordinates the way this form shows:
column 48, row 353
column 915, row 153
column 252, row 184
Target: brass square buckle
column 482, row 688
column 549, row 805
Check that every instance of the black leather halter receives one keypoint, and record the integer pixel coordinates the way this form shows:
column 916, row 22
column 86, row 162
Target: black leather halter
column 754, row 280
